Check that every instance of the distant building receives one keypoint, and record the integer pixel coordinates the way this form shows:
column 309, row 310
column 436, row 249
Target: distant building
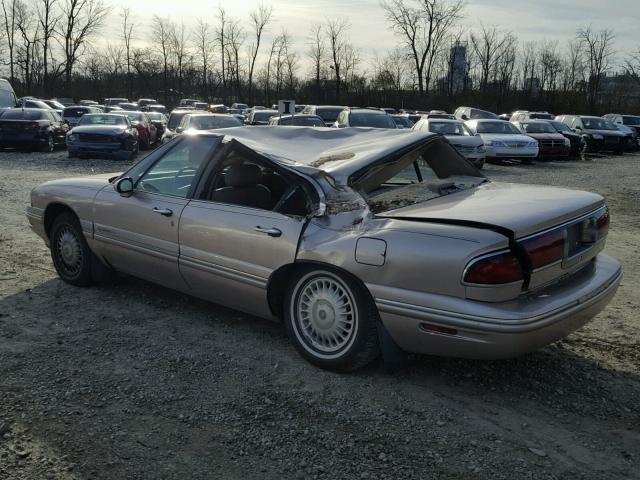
column 458, row 67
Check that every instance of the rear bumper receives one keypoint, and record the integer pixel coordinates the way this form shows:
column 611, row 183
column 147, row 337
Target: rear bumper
column 503, row 330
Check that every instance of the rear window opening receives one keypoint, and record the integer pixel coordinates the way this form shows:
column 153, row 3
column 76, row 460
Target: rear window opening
column 429, row 172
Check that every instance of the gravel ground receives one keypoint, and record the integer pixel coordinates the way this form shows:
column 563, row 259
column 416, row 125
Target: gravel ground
column 133, row 381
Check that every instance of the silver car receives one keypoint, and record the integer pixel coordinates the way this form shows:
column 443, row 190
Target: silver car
column 360, row 240
column 466, row 143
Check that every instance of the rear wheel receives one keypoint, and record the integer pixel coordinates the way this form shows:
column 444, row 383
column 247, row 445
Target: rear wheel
column 49, row 146
column 331, row 320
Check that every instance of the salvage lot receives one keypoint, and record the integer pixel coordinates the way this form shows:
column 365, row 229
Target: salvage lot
column 134, row 381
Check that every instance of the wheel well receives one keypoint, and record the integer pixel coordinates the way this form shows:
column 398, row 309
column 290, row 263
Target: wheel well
column 277, row 285
column 51, row 212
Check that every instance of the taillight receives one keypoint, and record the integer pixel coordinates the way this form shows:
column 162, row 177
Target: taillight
column 602, row 223
column 494, row 269
column 545, row 249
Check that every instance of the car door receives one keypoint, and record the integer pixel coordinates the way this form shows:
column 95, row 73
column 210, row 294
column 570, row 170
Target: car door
column 138, row 234
column 230, row 245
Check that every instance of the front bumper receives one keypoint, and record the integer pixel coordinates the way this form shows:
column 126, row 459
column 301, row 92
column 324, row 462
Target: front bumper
column 497, row 330
column 508, row 152
column 116, row 149
column 554, row 151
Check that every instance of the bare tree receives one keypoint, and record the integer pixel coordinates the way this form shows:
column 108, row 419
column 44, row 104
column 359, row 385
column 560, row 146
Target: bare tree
column 162, row 31
column 203, row 41
column 221, row 40
column 598, row 48
column 529, row 58
column 48, row 18
column 488, row 46
column 336, row 30
column 9, row 14
column 81, row 20
column 179, row 51
column 233, row 44
column 632, row 65
column 317, row 54
column 259, row 21
column 29, row 32
column 127, row 35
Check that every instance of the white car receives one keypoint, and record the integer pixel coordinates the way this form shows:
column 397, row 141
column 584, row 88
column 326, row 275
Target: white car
column 470, row 146
column 504, row 140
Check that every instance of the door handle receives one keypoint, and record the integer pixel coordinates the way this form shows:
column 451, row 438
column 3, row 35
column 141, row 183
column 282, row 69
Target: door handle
column 272, row 232
column 166, row 212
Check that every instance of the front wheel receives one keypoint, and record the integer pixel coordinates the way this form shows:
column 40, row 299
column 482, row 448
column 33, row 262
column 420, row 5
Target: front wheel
column 331, row 320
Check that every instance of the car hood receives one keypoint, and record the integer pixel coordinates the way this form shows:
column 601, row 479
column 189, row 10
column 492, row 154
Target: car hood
column 506, row 137
column 609, row 133
column 521, row 209
column 100, row 129
column 93, row 182
column 546, row 136
column 465, row 140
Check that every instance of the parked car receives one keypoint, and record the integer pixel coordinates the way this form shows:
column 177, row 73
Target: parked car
column 72, row 115
column 159, row 120
column 631, row 138
column 503, row 140
column 207, row 121
column 389, row 110
column 144, row 102
column 32, row 128
column 577, row 143
column 216, row 108
column 66, row 101
column 147, row 131
column 103, row 134
column 631, row 121
column 260, row 117
column 597, row 133
column 360, row 241
column 239, row 106
column 55, row 105
column 201, row 106
column 300, row 120
column 115, row 101
column 550, row 142
column 112, row 108
column 87, row 103
column 523, row 115
column 467, row 144
column 328, row 113
column 30, row 102
column 130, row 106
column 362, row 117
column 187, row 102
column 469, row 113
column 7, row 95
column 174, row 122
column 402, row 121
column 157, row 108
column 440, row 114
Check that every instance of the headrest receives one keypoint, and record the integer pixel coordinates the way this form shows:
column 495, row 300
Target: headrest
column 242, row 175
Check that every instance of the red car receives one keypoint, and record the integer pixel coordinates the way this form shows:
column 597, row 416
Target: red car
column 147, row 131
column 550, row 142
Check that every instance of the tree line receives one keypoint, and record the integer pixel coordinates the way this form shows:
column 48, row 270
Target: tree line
column 57, row 48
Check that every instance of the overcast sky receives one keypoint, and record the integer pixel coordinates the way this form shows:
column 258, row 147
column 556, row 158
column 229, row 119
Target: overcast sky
column 530, row 19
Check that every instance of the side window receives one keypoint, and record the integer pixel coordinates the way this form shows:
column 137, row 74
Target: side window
column 174, row 173
column 241, row 179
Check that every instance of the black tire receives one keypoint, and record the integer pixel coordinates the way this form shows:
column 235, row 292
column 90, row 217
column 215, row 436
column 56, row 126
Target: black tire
column 73, row 259
column 50, row 145
column 360, row 343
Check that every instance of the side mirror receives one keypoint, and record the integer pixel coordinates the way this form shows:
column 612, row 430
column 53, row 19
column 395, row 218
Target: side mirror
column 124, row 186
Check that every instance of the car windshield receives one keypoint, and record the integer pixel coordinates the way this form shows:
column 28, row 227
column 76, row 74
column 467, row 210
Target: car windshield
column 594, row 123
column 94, row 119
column 263, row 115
column 207, row 122
column 302, row 121
column 560, row 127
column 629, row 120
column 448, row 128
column 175, row 119
column 133, row 116
column 54, row 104
column 476, row 114
column 74, row 112
column 23, row 115
column 370, row 119
column 497, row 127
column 328, row 114
column 155, row 116
column 538, row 127
column 403, row 122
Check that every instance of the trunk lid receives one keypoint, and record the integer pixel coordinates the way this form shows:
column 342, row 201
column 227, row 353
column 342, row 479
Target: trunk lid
column 520, row 209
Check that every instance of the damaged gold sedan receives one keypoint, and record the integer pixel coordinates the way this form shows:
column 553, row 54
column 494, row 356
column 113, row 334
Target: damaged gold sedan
column 358, row 239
